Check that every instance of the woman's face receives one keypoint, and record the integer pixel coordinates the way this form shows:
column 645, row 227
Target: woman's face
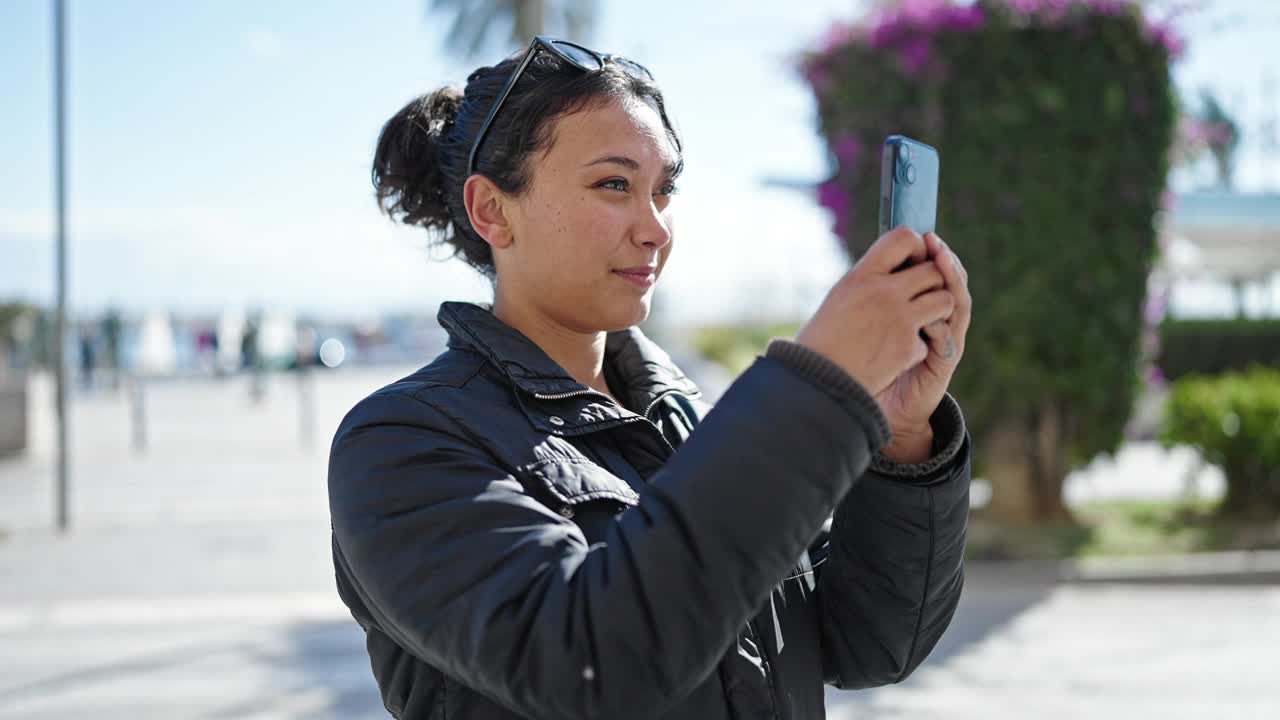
column 593, row 231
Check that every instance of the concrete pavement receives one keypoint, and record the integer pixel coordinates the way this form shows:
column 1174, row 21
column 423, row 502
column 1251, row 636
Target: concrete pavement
column 196, row 581
column 1022, row 646
column 197, row 584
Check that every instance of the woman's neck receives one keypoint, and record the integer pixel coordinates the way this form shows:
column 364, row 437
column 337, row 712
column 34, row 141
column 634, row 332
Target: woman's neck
column 580, row 354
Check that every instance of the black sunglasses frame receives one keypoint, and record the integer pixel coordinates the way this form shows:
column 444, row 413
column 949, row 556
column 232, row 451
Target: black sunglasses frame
column 544, row 42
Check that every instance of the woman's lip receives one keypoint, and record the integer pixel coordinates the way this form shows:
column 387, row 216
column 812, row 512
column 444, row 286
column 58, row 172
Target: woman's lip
column 644, row 279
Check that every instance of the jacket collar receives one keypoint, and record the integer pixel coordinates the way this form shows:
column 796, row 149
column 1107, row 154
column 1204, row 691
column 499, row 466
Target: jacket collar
column 645, row 369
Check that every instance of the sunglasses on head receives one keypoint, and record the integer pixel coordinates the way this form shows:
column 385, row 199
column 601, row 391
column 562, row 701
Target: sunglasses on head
column 572, row 53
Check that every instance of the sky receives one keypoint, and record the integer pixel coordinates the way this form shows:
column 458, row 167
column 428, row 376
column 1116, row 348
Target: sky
column 219, row 151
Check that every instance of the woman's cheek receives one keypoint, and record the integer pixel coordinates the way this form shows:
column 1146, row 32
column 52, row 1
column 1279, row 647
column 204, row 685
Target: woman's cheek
column 604, row 224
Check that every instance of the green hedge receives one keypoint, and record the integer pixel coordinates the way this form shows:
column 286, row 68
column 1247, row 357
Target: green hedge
column 1211, row 347
column 734, row 347
column 1234, row 421
column 1054, row 122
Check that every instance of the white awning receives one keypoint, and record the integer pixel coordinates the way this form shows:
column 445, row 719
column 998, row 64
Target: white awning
column 1224, row 236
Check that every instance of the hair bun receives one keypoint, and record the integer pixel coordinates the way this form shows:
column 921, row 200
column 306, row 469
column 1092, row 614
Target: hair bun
column 407, row 176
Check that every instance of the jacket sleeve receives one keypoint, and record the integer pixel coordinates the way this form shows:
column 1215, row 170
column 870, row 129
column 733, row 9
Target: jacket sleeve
column 895, row 561
column 467, row 572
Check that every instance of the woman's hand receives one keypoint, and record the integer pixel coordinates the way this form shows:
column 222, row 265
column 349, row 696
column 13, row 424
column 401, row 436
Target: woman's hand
column 912, row 397
column 870, row 320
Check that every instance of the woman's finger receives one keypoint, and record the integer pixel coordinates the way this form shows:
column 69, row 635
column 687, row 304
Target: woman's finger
column 934, row 245
column 964, row 300
column 960, row 266
column 944, row 258
column 920, row 279
column 958, row 284
column 941, row 339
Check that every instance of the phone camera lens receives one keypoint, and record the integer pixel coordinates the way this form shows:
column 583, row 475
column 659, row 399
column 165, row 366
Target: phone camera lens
column 907, row 172
column 911, row 174
column 904, row 152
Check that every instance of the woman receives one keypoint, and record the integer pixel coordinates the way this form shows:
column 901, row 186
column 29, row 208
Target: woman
column 530, row 526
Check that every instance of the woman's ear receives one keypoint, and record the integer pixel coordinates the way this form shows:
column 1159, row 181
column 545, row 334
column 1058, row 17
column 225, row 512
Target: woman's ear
column 487, row 210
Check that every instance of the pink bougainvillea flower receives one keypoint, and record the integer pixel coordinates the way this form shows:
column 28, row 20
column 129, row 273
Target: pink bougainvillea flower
column 832, row 197
column 963, row 19
column 1170, row 39
column 916, row 53
column 1110, row 7
column 1154, row 309
column 836, row 36
column 1155, row 375
column 886, row 31
column 818, row 76
column 848, row 149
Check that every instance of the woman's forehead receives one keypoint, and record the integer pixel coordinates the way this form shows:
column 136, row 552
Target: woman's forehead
column 617, row 128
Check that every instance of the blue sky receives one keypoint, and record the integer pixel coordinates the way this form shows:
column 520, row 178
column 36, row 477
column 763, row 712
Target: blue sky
column 219, row 151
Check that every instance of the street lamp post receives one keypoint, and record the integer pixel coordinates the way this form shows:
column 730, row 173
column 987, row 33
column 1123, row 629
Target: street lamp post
column 60, row 317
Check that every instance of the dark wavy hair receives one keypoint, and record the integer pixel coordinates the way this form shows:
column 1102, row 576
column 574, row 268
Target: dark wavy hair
column 420, row 163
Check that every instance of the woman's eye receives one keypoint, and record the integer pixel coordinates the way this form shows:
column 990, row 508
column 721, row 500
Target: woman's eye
column 622, row 185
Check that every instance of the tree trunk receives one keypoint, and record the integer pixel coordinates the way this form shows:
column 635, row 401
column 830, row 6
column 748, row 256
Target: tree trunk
column 1253, row 492
column 1025, row 461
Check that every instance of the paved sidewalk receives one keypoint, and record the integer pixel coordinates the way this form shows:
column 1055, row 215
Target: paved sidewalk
column 1024, row 647
column 1241, row 567
column 196, row 581
column 196, row 584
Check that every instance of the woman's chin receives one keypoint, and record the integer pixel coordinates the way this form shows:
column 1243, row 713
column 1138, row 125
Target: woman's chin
column 629, row 314
column 643, row 306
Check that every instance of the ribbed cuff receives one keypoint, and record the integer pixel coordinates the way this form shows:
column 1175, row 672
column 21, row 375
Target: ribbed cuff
column 822, row 372
column 949, row 432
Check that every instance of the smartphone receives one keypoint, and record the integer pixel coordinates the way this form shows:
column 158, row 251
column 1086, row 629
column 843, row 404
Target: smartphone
column 908, row 189
column 908, row 185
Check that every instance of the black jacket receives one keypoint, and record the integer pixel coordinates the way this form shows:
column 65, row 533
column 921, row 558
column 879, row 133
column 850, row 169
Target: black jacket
column 517, row 545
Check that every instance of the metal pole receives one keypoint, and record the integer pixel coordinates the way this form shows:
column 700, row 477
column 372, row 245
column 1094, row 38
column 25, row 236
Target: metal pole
column 306, row 402
column 60, row 321
column 138, row 414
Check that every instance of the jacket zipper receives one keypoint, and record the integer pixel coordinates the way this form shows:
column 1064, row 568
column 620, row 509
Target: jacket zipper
column 632, row 418
column 661, row 397
column 768, row 666
column 588, row 391
column 571, row 393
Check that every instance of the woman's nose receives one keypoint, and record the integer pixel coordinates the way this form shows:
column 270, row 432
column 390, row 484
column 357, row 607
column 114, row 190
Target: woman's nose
column 654, row 227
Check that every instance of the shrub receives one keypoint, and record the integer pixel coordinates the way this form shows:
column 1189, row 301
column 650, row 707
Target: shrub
column 1234, row 421
column 1211, row 347
column 1054, row 121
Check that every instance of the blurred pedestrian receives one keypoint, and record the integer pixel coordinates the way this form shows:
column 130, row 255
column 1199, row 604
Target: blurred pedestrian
column 88, row 355
column 251, row 358
column 111, row 329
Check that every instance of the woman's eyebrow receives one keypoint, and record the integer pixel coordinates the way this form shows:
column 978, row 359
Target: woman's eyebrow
column 616, row 160
column 672, row 169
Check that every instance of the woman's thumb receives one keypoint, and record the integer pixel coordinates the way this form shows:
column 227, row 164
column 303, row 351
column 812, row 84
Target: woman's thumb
column 895, row 248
